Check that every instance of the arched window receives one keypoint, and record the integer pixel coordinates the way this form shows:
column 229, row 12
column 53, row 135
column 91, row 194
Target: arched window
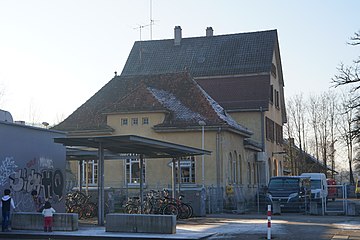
column 232, row 169
column 270, row 168
column 236, row 172
column 280, row 169
column 255, row 173
column 275, row 168
column 240, row 169
column 249, row 173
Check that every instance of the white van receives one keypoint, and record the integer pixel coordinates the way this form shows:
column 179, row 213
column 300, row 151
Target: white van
column 319, row 188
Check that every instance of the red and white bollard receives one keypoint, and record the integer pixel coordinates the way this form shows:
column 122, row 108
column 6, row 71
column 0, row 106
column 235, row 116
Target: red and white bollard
column 269, row 223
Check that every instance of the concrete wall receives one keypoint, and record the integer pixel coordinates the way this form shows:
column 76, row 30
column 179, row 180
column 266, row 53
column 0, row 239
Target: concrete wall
column 141, row 223
column 30, row 160
column 35, row 221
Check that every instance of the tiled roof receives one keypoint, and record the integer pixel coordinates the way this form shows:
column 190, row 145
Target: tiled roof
column 232, row 54
column 90, row 115
column 234, row 93
column 175, row 93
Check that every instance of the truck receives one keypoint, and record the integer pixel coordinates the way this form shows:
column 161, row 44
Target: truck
column 292, row 192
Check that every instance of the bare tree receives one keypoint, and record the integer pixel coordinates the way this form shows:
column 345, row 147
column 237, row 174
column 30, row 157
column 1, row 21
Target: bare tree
column 289, row 159
column 325, row 126
column 350, row 76
column 314, row 120
column 296, row 109
column 346, row 126
column 333, row 109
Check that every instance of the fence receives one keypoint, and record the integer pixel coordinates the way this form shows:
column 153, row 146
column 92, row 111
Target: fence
column 214, row 199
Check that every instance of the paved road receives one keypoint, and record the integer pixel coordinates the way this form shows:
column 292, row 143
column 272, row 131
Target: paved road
column 292, row 226
column 285, row 226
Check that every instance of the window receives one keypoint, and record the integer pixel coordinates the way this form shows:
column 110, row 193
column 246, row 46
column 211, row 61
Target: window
column 133, row 171
column 134, row 121
column 232, row 169
column 278, row 134
column 187, row 170
column 277, row 101
column 249, row 173
column 124, row 122
column 269, row 129
column 90, row 172
column 145, row 121
column 273, row 70
column 270, row 167
column 271, row 93
column 255, row 173
column 239, row 169
column 275, row 168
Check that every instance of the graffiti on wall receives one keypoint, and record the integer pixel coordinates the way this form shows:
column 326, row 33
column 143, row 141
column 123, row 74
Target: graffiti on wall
column 7, row 168
column 51, row 181
column 37, row 174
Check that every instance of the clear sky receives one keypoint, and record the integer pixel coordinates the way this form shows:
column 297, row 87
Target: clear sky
column 54, row 55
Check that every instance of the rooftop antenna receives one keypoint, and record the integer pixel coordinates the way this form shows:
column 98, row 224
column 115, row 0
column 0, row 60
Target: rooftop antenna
column 141, row 27
column 151, row 20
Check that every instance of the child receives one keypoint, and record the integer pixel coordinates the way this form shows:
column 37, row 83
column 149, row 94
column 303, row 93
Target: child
column 48, row 213
column 38, row 203
column 6, row 204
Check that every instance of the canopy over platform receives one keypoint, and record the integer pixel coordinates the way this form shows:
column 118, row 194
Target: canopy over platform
column 126, row 144
column 149, row 148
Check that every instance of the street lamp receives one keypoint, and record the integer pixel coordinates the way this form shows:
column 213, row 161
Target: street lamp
column 202, row 124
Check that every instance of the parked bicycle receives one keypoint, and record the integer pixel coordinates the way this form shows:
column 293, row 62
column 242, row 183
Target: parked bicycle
column 159, row 202
column 78, row 202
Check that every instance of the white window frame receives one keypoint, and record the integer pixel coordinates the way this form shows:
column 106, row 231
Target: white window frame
column 130, row 163
column 92, row 166
column 134, row 121
column 145, row 121
column 124, row 121
column 186, row 164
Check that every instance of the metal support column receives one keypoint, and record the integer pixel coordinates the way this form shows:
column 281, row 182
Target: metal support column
column 179, row 177
column 141, row 162
column 173, row 179
column 101, row 185
column 80, row 174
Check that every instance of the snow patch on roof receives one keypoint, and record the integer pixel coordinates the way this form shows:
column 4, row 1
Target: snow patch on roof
column 170, row 101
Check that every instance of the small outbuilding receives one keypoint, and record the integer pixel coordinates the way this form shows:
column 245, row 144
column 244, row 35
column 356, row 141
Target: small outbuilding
column 30, row 160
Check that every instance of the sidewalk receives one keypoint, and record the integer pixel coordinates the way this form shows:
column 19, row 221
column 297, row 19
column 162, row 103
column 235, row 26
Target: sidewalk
column 223, row 226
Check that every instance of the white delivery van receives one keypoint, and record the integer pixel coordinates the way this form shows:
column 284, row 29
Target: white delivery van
column 319, row 188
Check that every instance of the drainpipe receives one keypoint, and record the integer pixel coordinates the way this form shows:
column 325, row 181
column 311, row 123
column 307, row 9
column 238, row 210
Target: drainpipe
column 262, row 121
column 219, row 194
column 262, row 129
column 218, row 157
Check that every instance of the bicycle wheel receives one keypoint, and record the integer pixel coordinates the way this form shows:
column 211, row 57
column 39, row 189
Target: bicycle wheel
column 132, row 209
column 170, row 209
column 191, row 210
column 89, row 210
column 185, row 211
column 148, row 207
column 77, row 209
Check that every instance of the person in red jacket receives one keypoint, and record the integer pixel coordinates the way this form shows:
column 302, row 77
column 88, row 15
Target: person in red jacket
column 48, row 213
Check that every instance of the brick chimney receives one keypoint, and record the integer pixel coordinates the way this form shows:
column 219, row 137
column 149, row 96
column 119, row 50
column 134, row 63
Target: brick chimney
column 177, row 35
column 209, row 32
